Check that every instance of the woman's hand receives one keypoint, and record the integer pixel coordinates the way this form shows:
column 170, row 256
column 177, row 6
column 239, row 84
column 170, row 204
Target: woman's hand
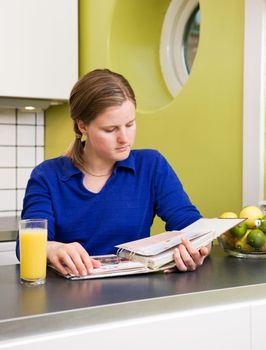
column 188, row 258
column 70, row 258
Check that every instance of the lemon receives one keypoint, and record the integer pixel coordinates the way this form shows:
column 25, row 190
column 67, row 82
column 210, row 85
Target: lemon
column 251, row 214
column 228, row 215
column 256, row 238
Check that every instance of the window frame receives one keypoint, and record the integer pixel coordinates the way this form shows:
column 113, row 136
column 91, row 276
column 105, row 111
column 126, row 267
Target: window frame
column 253, row 104
column 172, row 58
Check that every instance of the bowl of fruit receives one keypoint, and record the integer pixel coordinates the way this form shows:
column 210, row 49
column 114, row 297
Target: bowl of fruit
column 247, row 239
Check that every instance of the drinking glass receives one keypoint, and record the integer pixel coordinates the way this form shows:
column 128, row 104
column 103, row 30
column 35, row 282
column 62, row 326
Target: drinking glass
column 33, row 256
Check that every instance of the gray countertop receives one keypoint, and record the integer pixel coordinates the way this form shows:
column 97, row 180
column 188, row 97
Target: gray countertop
column 8, row 228
column 27, row 310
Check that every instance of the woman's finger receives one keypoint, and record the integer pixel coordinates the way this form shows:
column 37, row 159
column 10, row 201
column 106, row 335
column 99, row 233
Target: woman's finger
column 187, row 258
column 95, row 263
column 193, row 253
column 67, row 255
column 80, row 258
column 88, row 262
column 178, row 260
column 204, row 251
column 64, row 263
column 60, row 267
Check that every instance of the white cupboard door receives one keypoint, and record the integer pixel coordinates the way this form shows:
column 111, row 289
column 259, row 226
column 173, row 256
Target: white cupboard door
column 39, row 48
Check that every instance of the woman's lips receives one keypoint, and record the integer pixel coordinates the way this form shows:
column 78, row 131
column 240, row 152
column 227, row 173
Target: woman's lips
column 122, row 149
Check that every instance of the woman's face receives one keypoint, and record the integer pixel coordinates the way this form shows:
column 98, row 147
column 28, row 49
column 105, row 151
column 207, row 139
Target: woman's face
column 110, row 136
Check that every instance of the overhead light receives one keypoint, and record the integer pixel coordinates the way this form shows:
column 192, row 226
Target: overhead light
column 29, row 108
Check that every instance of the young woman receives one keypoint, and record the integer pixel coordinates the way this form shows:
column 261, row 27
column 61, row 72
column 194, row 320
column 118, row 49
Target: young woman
column 103, row 193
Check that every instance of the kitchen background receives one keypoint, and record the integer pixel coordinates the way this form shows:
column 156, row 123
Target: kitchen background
column 199, row 130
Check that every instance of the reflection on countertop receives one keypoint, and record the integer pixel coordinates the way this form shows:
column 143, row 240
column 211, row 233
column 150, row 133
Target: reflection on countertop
column 8, row 228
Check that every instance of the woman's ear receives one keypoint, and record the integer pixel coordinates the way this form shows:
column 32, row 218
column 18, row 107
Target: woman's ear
column 82, row 127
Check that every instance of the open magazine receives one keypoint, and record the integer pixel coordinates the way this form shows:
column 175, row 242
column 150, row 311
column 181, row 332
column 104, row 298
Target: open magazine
column 155, row 253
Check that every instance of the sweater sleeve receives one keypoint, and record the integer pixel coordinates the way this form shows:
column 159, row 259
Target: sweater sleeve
column 37, row 203
column 172, row 203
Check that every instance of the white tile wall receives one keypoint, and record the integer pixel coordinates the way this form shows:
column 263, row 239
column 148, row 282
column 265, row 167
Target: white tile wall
column 26, row 118
column 23, row 175
column 39, row 135
column 8, row 116
column 26, row 156
column 8, row 178
column 20, row 196
column 21, row 149
column 39, row 154
column 7, row 156
column 8, row 199
column 40, row 118
column 26, row 135
column 8, row 134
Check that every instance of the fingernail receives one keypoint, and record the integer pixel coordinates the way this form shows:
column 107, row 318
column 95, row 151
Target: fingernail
column 84, row 272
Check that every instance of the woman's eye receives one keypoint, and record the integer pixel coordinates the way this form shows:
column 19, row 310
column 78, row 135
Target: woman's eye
column 109, row 130
column 129, row 125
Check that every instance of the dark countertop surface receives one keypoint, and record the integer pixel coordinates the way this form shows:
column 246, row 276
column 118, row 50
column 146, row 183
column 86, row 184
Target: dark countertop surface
column 64, row 301
column 8, row 228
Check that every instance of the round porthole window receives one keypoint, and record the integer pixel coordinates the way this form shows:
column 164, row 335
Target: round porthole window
column 179, row 42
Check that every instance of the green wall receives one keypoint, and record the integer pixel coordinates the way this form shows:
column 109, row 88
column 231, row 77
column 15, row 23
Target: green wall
column 199, row 131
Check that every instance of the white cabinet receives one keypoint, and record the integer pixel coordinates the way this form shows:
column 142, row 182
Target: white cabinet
column 258, row 313
column 39, row 48
column 7, row 253
column 206, row 329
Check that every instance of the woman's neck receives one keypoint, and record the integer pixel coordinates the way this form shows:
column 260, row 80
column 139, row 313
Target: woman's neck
column 96, row 166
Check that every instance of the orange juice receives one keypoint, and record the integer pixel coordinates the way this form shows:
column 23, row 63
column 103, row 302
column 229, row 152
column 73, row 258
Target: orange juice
column 33, row 254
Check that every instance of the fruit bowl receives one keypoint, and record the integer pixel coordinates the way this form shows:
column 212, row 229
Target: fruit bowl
column 248, row 239
column 247, row 253
column 242, row 242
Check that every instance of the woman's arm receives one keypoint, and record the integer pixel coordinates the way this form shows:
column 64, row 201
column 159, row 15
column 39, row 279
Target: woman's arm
column 38, row 203
column 175, row 208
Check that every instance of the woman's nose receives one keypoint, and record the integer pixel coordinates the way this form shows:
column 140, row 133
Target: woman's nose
column 122, row 136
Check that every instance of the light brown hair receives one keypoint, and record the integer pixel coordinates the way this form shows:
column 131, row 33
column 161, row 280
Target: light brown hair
column 90, row 96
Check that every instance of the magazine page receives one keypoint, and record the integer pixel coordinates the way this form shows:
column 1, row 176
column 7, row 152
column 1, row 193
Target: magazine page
column 112, row 265
column 204, row 227
column 158, row 243
column 216, row 225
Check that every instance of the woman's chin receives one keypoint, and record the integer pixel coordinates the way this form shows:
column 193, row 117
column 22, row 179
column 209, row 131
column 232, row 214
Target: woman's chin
column 122, row 155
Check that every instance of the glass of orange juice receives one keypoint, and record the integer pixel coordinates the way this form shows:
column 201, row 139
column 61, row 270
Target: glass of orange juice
column 33, row 256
